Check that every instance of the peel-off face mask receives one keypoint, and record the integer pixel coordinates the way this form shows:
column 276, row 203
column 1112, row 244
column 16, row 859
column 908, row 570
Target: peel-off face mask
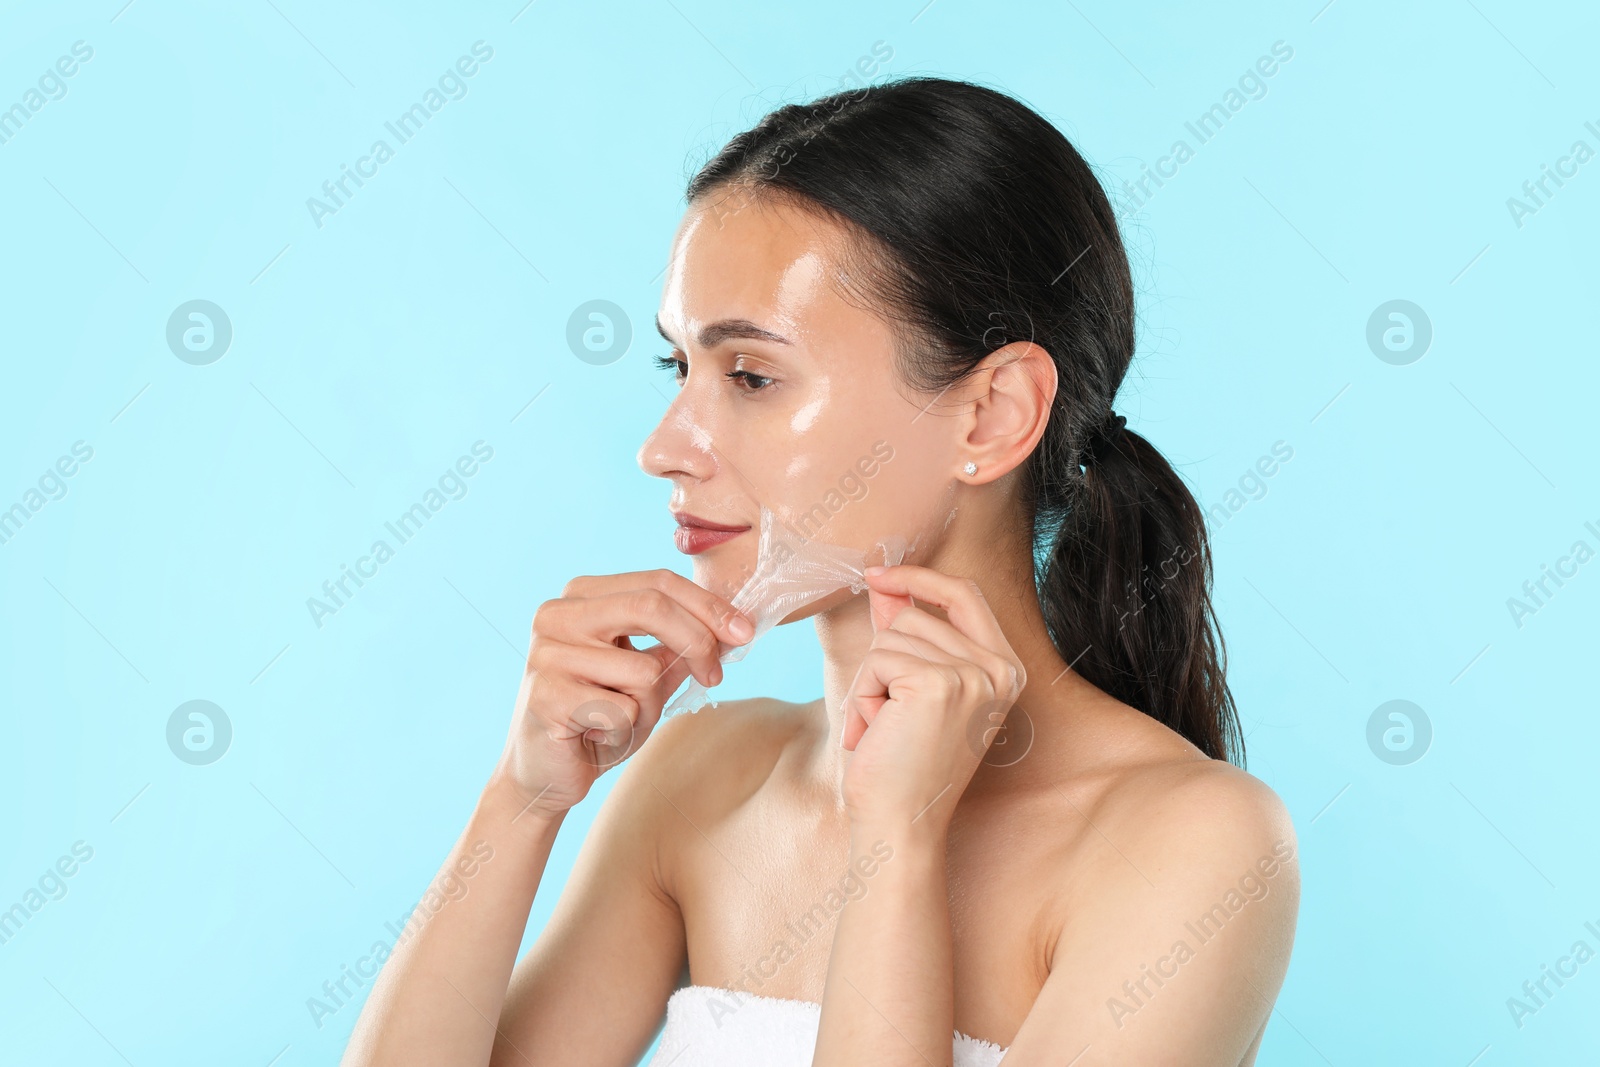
column 791, row 572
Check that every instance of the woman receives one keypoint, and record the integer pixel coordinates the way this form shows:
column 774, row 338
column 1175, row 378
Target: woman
column 924, row 281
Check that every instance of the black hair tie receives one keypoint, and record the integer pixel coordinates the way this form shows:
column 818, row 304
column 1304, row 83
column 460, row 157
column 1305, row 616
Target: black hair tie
column 1103, row 438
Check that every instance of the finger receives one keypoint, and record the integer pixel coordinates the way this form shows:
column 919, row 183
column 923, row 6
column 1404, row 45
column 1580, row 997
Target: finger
column 959, row 598
column 601, row 620
column 882, row 670
column 570, row 709
column 716, row 612
column 931, row 652
column 611, row 724
column 883, row 607
column 958, row 646
column 639, row 674
column 672, row 668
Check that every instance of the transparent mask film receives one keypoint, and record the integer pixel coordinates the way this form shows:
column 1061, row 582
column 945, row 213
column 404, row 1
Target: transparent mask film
column 793, row 570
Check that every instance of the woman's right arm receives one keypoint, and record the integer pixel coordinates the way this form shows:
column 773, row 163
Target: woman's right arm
column 592, row 989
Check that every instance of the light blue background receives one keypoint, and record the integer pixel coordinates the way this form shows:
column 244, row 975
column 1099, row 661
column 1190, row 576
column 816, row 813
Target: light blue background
column 370, row 353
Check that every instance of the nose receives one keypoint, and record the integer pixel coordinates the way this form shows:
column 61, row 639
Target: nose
column 678, row 445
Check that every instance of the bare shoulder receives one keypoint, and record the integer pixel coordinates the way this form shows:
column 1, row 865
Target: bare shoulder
column 1177, row 863
column 711, row 758
column 686, row 763
column 1193, row 819
column 694, row 738
column 1209, row 798
column 1158, row 824
column 1157, row 794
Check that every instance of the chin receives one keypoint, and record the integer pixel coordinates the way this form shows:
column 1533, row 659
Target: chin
column 724, row 569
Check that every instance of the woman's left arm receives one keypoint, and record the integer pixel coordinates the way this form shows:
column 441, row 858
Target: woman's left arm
column 932, row 690
column 889, row 997
column 1175, row 957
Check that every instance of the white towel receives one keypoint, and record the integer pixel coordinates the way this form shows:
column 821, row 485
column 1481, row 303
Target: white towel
column 712, row 1027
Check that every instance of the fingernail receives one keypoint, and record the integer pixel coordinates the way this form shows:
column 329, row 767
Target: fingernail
column 741, row 628
column 876, row 570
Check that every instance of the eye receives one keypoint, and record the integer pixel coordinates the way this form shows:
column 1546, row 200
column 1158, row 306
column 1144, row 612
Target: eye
column 753, row 383
column 677, row 366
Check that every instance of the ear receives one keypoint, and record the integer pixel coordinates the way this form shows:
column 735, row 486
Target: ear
column 1012, row 391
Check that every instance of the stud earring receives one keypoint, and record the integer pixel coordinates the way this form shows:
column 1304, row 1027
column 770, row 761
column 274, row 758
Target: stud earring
column 970, row 469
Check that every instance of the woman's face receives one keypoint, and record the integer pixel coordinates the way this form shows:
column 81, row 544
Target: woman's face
column 788, row 397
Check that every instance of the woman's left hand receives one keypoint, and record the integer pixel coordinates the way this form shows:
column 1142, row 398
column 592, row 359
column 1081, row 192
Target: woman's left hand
column 928, row 698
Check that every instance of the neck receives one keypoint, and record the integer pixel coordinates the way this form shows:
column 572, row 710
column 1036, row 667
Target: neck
column 1006, row 577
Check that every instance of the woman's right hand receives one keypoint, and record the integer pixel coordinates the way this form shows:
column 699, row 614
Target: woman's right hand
column 589, row 697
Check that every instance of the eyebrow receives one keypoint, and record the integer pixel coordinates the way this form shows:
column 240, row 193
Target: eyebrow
column 715, row 333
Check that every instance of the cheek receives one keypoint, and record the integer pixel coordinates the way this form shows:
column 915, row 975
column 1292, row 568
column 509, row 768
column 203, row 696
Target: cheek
column 848, row 482
column 855, row 481
column 806, row 419
column 910, row 502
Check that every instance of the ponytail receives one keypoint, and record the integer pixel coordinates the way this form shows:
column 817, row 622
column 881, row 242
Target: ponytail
column 1125, row 588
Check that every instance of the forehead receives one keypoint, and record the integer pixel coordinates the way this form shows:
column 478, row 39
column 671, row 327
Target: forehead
column 739, row 256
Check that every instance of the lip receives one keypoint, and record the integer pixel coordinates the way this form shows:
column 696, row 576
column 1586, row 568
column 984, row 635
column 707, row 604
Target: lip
column 694, row 535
